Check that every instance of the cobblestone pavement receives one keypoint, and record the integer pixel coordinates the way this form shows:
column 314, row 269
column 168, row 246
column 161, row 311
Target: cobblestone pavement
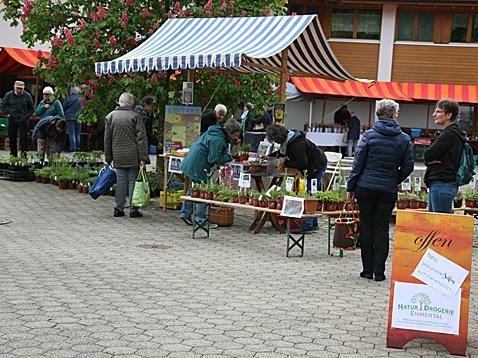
column 76, row 282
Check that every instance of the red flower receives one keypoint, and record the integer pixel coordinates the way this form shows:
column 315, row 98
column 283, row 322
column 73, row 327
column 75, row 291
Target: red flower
column 223, row 7
column 82, row 25
column 170, row 15
column 294, row 13
column 90, row 95
column 83, row 103
column 128, row 3
column 231, row 3
column 97, row 44
column 187, row 13
column 69, row 36
column 154, row 79
column 208, row 6
column 101, row 13
column 134, row 41
column 52, row 63
column 124, row 18
column 56, row 42
column 177, row 6
column 145, row 13
column 113, row 41
column 23, row 20
column 243, row 12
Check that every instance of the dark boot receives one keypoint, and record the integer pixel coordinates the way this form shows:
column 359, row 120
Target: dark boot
column 118, row 213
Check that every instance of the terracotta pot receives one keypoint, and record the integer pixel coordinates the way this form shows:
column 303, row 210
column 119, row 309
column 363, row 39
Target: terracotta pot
column 195, row 193
column 79, row 188
column 414, row 204
column 310, row 206
column 45, row 180
column 263, row 203
column 210, row 196
column 255, row 201
column 422, row 204
column 475, row 204
column 241, row 200
column 244, row 157
column 204, row 195
column 215, row 196
column 457, row 203
column 62, row 185
column 271, row 204
column 329, row 206
column 86, row 190
column 71, row 185
column 279, row 202
column 402, row 204
column 320, row 205
column 469, row 203
column 38, row 179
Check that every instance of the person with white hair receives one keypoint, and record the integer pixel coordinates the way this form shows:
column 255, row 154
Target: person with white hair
column 71, row 106
column 218, row 116
column 126, row 147
column 384, row 159
column 18, row 105
column 49, row 106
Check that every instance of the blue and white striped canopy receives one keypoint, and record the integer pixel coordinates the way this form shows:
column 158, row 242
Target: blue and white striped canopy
column 236, row 43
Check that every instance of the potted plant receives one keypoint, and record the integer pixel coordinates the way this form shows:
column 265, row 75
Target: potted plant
column 255, row 198
column 470, row 198
column 243, row 196
column 458, row 200
column 402, row 202
column 423, row 200
column 330, row 200
column 413, row 201
column 195, row 190
column 272, row 199
column 244, row 152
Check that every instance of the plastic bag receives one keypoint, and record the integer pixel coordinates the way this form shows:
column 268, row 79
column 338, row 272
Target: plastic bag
column 104, row 181
column 141, row 195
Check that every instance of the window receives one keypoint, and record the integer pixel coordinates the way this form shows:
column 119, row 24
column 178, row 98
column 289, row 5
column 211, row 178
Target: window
column 415, row 25
column 464, row 27
column 356, row 24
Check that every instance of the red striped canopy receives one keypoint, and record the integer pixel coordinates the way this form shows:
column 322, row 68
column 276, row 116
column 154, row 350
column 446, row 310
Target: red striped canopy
column 18, row 60
column 435, row 92
column 350, row 88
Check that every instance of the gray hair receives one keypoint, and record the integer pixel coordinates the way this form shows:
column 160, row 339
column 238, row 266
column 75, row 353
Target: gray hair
column 126, row 100
column 386, row 108
column 232, row 126
column 220, row 108
column 75, row 90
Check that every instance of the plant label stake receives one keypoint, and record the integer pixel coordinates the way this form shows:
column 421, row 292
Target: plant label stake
column 406, row 185
column 418, row 184
column 313, row 186
column 289, row 183
column 245, row 180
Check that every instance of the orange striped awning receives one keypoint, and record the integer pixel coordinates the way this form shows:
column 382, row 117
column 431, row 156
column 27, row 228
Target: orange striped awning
column 380, row 90
column 20, row 60
column 435, row 92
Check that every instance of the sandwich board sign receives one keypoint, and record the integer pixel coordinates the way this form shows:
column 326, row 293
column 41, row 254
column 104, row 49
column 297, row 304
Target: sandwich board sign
column 430, row 288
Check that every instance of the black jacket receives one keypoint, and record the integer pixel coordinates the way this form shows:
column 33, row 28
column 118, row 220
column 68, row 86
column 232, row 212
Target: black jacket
column 446, row 149
column 303, row 154
column 207, row 120
column 42, row 130
column 20, row 108
column 148, row 125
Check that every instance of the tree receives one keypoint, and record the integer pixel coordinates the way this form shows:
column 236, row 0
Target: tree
column 422, row 299
column 84, row 32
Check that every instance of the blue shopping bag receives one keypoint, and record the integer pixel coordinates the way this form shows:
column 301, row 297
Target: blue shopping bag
column 104, row 181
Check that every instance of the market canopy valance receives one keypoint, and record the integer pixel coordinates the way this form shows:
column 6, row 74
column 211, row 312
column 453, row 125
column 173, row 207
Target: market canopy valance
column 14, row 60
column 245, row 44
column 377, row 90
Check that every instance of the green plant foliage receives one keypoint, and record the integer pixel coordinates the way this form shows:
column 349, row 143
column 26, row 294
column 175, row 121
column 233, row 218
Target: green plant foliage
column 84, row 32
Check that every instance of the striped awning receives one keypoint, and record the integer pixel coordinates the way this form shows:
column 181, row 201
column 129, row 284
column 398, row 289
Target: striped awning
column 245, row 44
column 435, row 92
column 377, row 90
column 17, row 60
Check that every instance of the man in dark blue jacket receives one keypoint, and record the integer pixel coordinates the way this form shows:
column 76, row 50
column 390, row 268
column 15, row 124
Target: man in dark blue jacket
column 18, row 104
column 71, row 106
column 384, row 159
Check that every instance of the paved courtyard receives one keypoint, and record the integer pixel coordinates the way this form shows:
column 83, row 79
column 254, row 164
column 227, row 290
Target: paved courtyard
column 76, row 282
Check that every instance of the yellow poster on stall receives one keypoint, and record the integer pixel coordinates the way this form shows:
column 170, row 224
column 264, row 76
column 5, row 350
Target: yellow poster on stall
column 430, row 288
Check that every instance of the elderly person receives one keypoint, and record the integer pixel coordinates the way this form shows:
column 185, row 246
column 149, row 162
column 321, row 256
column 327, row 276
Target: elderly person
column 442, row 158
column 210, row 149
column 49, row 106
column 126, row 146
column 71, row 106
column 384, row 159
column 50, row 135
column 18, row 105
column 218, row 116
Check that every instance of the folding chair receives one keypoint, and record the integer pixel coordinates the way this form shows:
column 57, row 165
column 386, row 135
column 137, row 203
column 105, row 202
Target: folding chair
column 333, row 165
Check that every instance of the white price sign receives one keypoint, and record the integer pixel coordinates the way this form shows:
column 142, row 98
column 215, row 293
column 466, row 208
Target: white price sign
column 245, row 180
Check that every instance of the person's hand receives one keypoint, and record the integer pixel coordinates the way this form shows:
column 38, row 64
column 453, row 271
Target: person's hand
column 47, row 105
column 142, row 164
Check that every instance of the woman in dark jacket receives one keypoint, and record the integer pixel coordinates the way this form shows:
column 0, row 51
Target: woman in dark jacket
column 384, row 159
column 298, row 152
column 442, row 158
column 50, row 135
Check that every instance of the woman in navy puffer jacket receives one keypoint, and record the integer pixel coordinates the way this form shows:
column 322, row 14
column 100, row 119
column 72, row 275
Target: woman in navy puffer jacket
column 383, row 161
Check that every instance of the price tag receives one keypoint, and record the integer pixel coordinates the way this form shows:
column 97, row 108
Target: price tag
column 313, row 186
column 406, row 185
column 418, row 184
column 289, row 184
column 245, row 180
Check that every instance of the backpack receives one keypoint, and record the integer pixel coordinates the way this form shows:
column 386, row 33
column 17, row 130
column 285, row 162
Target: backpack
column 466, row 169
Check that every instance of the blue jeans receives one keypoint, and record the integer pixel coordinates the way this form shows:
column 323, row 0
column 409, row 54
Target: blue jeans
column 187, row 209
column 74, row 130
column 319, row 178
column 440, row 197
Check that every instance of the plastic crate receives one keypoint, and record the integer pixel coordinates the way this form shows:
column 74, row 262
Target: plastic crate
column 173, row 201
column 16, row 175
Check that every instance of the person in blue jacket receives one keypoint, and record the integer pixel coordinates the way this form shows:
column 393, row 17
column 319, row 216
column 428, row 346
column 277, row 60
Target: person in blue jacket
column 210, row 149
column 71, row 106
column 383, row 160
column 49, row 106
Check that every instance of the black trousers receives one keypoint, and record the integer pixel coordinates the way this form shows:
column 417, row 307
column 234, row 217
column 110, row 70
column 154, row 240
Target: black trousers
column 13, row 128
column 375, row 212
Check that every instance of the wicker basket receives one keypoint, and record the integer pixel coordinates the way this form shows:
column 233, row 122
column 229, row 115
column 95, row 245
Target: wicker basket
column 222, row 216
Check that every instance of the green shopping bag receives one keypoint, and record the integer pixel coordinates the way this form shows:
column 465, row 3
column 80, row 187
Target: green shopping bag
column 141, row 195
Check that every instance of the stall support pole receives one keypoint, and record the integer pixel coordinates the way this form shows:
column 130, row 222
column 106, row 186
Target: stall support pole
column 283, row 75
